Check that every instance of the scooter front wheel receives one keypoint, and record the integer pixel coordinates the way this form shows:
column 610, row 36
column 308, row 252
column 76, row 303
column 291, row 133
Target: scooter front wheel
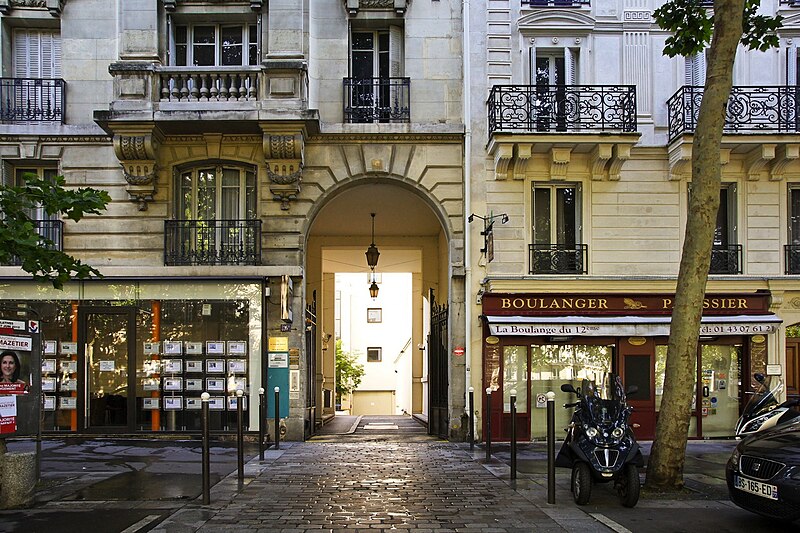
column 628, row 485
column 581, row 483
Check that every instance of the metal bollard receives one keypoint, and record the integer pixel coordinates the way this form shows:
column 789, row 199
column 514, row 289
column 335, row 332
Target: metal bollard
column 240, row 434
column 488, row 424
column 277, row 417
column 513, row 394
column 205, row 455
column 471, row 418
column 261, row 421
column 551, row 447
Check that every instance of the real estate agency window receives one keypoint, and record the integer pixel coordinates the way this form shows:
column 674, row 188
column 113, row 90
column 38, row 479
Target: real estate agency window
column 205, row 45
column 374, row 355
column 217, row 192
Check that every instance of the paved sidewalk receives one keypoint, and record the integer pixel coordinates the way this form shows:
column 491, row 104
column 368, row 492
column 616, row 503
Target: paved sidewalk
column 375, row 482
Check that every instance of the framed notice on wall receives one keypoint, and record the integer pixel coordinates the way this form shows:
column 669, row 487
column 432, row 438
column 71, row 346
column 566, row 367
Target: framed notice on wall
column 49, row 347
column 173, row 403
column 173, row 347
column 173, row 366
column 194, row 348
column 215, row 366
column 194, row 366
column 151, row 348
column 194, row 384
column 215, row 384
column 151, row 403
column 48, row 366
column 237, row 366
column 215, row 347
column 237, row 348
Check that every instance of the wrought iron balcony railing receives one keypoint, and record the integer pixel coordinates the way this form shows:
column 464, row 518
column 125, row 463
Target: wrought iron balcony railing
column 726, row 259
column 792, row 258
column 208, row 84
column 556, row 3
column 52, row 230
column 212, row 242
column 32, row 100
column 377, row 100
column 562, row 108
column 750, row 110
column 558, row 258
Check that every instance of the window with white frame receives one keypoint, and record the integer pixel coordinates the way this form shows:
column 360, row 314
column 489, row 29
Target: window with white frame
column 374, row 355
column 36, row 53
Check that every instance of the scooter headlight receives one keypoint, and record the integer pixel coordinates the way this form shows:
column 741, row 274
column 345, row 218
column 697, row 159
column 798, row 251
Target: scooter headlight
column 591, row 432
column 756, row 423
column 618, row 433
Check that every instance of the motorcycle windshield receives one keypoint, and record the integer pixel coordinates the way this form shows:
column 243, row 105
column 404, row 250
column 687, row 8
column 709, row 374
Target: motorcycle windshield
column 604, row 405
column 765, row 397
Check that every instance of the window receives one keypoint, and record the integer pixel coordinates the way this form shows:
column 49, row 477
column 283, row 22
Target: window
column 374, row 315
column 552, row 72
column 216, row 219
column 376, row 89
column 695, row 69
column 793, row 248
column 217, row 192
column 374, row 355
column 13, row 175
column 205, row 45
column 726, row 253
column 556, row 229
column 35, row 91
column 37, row 54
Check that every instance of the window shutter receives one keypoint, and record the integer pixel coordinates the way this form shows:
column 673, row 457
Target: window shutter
column 23, row 53
column 570, row 67
column 395, row 51
column 532, row 63
column 695, row 70
column 791, row 65
column 37, row 54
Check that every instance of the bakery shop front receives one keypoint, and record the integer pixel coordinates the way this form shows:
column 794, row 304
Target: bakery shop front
column 533, row 343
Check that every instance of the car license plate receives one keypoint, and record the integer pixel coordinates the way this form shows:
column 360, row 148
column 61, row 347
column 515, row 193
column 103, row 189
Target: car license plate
column 756, row 487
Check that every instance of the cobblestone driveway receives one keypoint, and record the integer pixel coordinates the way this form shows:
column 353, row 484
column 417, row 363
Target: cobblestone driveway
column 379, row 486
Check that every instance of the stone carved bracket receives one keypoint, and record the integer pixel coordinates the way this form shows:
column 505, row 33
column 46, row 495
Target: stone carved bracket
column 759, row 160
column 137, row 152
column 785, row 154
column 680, row 160
column 522, row 156
column 53, row 6
column 559, row 163
column 600, row 156
column 622, row 152
column 353, row 6
column 284, row 154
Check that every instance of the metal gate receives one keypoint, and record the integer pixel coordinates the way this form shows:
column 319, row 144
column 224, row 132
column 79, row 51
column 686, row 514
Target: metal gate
column 311, row 367
column 438, row 363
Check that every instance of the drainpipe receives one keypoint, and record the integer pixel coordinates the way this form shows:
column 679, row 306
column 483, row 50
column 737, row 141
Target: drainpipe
column 467, row 98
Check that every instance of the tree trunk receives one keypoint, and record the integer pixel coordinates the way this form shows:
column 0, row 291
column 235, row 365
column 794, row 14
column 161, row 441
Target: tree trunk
column 665, row 465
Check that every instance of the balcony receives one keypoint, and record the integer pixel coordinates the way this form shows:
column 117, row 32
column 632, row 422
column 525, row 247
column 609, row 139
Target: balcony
column 556, row 3
column 792, row 258
column 558, row 258
column 377, row 100
column 51, row 230
column 750, row 110
column 726, row 259
column 212, row 242
column 32, row 100
column 208, row 84
column 562, row 108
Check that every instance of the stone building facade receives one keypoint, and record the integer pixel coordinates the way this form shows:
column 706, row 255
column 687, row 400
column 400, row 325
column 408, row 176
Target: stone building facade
column 244, row 145
column 581, row 132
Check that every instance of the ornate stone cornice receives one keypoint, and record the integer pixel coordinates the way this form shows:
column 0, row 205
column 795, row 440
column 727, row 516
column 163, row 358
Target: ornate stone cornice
column 785, row 154
column 65, row 139
column 171, row 5
column 353, row 6
column 53, row 6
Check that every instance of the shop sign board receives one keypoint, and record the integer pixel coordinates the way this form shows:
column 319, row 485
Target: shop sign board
column 534, row 329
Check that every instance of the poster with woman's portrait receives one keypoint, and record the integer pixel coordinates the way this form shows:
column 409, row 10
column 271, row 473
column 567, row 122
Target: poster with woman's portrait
column 14, row 371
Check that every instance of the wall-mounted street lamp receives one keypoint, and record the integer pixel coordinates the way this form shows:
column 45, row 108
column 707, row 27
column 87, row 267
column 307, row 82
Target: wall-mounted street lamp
column 488, row 235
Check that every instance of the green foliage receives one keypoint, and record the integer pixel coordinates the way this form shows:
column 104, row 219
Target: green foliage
column 19, row 239
column 793, row 331
column 692, row 26
column 348, row 371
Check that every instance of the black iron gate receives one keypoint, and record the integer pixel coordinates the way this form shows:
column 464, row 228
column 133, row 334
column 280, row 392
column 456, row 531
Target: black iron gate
column 438, row 363
column 311, row 367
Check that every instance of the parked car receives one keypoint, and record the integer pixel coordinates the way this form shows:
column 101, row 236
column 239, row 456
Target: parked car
column 763, row 472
